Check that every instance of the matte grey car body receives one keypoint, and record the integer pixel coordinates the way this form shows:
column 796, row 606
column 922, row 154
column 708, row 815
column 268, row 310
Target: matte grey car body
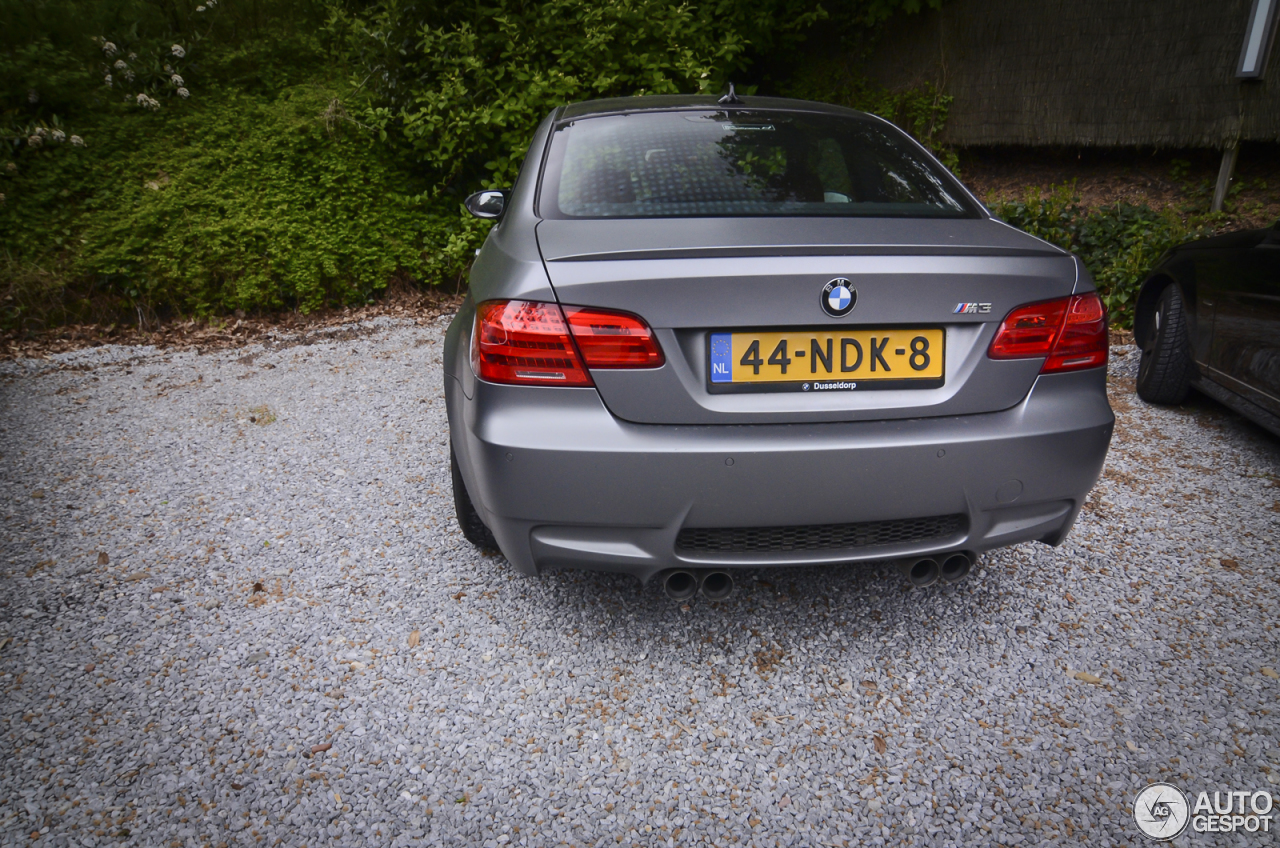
column 650, row 469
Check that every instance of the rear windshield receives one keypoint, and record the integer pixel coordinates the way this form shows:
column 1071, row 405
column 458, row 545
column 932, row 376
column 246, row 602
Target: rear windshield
column 716, row 164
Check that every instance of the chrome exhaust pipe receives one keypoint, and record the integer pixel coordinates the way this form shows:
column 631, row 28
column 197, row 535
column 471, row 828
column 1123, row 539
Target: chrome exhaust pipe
column 956, row 567
column 717, row 585
column 921, row 572
column 680, row 585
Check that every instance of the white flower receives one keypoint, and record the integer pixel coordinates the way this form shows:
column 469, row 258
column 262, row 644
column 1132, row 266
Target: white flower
column 120, row 65
column 168, row 69
column 77, row 141
column 176, row 80
column 42, row 132
column 128, row 75
column 33, row 96
column 199, row 8
column 183, row 93
column 178, row 51
column 107, row 79
column 109, row 48
column 148, row 102
column 1, row 197
column 11, row 167
column 133, row 57
column 34, row 141
column 59, row 135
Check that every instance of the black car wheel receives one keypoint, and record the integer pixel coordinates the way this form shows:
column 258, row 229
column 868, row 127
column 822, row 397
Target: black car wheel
column 1164, row 373
column 468, row 519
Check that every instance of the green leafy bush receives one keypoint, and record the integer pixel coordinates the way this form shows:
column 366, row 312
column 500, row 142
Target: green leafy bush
column 458, row 88
column 241, row 203
column 259, row 206
column 198, row 156
column 1119, row 244
column 464, row 85
column 921, row 111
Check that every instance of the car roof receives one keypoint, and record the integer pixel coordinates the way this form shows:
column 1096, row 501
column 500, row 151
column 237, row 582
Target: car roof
column 675, row 102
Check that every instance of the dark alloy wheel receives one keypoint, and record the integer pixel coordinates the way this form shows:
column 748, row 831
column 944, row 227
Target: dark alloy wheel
column 468, row 519
column 1164, row 373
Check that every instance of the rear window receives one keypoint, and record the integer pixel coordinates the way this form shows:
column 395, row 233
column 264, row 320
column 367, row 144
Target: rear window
column 715, row 164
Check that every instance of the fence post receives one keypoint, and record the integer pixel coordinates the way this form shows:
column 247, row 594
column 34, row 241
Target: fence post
column 1225, row 173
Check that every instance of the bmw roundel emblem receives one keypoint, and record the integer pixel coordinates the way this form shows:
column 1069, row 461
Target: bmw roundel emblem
column 838, row 297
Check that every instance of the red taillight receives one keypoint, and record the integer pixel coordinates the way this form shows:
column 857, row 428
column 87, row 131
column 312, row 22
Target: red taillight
column 613, row 339
column 527, row 343
column 517, row 341
column 1071, row 333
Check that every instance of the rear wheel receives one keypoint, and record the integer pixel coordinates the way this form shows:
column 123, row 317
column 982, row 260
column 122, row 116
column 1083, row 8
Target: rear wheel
column 469, row 520
column 1164, row 373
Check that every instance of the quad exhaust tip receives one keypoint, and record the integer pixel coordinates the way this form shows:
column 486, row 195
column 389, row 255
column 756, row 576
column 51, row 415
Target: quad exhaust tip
column 922, row 572
column 680, row 585
column 956, row 567
column 950, row 569
column 717, row 585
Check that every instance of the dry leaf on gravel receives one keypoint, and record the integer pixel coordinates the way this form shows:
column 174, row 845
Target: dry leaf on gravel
column 316, row 749
column 38, row 494
column 879, row 744
column 1132, row 747
column 103, row 559
column 31, row 572
column 1271, row 672
column 282, row 330
column 1084, row 676
column 414, row 638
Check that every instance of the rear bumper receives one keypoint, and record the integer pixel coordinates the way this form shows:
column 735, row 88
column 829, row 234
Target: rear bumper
column 563, row 483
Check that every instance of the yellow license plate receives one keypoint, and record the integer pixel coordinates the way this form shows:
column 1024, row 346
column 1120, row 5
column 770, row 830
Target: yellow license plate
column 828, row 359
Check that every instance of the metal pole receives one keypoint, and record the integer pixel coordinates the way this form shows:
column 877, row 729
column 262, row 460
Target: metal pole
column 1225, row 173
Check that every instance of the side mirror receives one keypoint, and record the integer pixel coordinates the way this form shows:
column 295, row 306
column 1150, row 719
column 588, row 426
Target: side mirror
column 486, row 204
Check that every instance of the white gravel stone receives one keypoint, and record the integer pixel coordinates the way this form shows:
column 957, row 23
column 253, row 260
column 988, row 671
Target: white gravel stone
column 240, row 670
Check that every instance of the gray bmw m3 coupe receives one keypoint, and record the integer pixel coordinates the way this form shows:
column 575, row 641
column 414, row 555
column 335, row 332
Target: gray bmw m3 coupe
column 708, row 335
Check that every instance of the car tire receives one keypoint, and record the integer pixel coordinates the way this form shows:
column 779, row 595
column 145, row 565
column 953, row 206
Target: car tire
column 1166, row 367
column 473, row 527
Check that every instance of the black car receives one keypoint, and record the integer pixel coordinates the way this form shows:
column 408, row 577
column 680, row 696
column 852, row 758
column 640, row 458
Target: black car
column 1208, row 318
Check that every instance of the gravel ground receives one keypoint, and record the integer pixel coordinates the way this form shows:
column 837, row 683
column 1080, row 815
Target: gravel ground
column 213, row 564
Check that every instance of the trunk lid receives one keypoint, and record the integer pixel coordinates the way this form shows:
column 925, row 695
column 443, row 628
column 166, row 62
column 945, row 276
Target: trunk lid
column 690, row 278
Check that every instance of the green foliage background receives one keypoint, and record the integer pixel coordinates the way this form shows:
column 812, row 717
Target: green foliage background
column 261, row 155
column 1119, row 244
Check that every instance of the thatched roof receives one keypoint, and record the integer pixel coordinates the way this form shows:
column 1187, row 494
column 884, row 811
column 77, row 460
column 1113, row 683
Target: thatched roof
column 1086, row 72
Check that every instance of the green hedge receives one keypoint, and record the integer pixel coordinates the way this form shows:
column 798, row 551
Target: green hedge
column 301, row 153
column 1119, row 244
column 239, row 203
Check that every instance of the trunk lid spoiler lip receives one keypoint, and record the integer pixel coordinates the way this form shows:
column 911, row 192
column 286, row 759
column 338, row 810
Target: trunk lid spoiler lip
column 564, row 241
column 809, row 250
